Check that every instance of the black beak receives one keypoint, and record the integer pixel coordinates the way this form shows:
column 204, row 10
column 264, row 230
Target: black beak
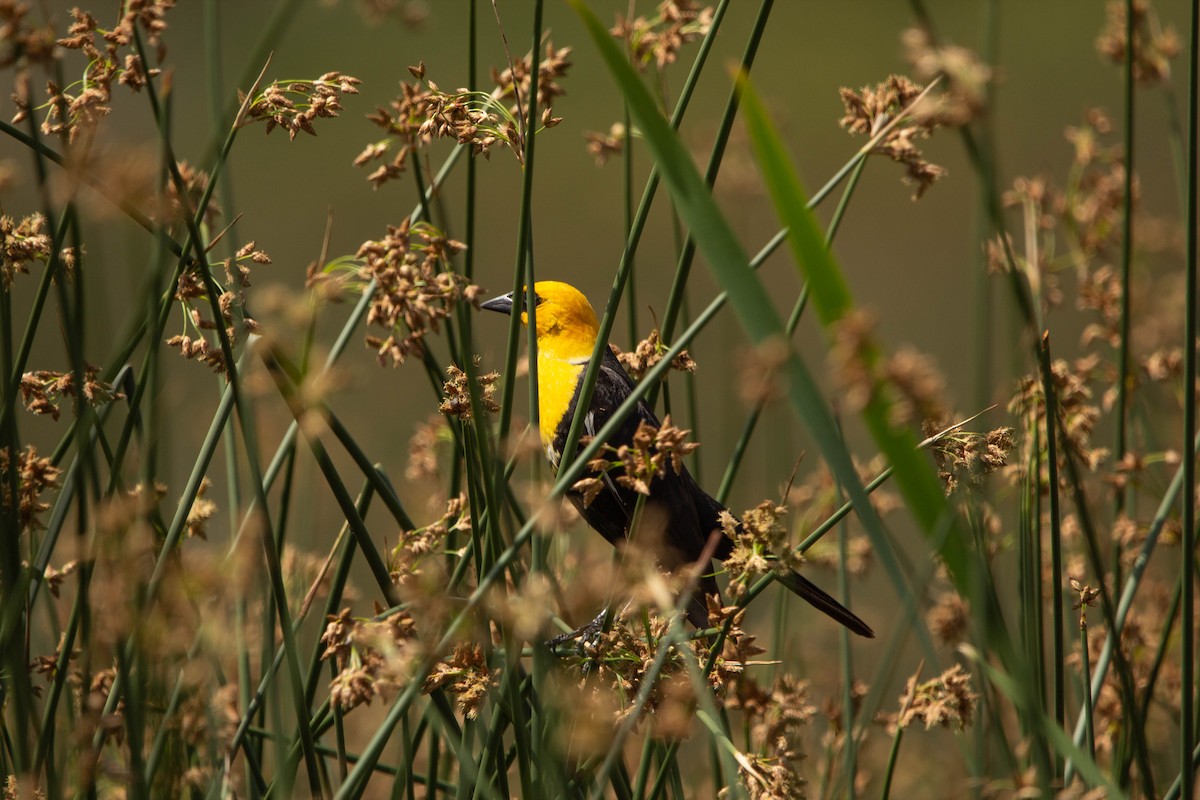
column 503, row 304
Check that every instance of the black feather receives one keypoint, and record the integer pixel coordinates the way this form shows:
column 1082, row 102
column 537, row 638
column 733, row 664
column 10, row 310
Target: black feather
column 690, row 516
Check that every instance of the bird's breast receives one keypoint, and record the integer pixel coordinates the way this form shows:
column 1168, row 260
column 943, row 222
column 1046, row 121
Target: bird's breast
column 557, row 381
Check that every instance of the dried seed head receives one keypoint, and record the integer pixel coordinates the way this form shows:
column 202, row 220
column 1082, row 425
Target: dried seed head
column 648, row 353
column 20, row 243
column 34, row 477
column 963, row 94
column 457, row 395
column 949, row 619
column 658, row 39
column 603, row 146
column 43, row 391
column 415, row 288
column 1153, row 44
column 466, row 676
column 372, row 656
column 293, row 105
column 945, row 701
column 202, row 510
column 894, row 102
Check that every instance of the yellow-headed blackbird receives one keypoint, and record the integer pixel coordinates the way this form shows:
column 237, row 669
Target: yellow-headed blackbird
column 566, row 335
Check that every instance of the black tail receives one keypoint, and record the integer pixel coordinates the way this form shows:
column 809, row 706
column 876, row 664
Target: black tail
column 817, row 597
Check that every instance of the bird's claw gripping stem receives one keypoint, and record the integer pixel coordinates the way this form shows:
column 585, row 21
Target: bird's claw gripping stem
column 588, row 634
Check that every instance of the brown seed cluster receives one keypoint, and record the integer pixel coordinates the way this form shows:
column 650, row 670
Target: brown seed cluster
column 776, row 714
column 917, row 395
column 372, row 656
column 35, row 476
column 871, row 109
column 1073, row 240
column 423, row 112
column 1077, row 408
column 827, row 555
column 760, row 372
column 513, row 84
column 603, row 146
column 195, row 343
column 949, row 619
column 760, row 545
column 293, row 105
column 457, row 393
column 1085, row 598
column 648, row 353
column 658, row 39
column 777, row 720
column 635, row 466
column 1153, row 44
column 201, row 511
column 466, row 676
column 852, row 356
column 1086, row 214
column 20, row 243
column 910, row 381
column 430, row 539
column 423, row 449
column 111, row 57
column 195, row 183
column 947, row 701
column 414, row 286
column 43, row 391
column 964, row 78
column 818, row 496
column 965, row 457
column 1144, row 630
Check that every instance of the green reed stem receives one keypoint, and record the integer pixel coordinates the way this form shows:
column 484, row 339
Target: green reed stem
column 1121, row 409
column 1165, row 511
column 247, row 426
column 1092, row 550
column 846, row 664
column 890, row 769
column 1187, row 648
column 1085, row 669
column 1056, row 566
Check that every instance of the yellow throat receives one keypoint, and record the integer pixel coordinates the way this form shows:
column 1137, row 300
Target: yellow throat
column 566, row 334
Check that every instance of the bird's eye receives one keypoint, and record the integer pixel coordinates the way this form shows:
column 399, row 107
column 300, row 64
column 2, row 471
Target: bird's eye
column 538, row 299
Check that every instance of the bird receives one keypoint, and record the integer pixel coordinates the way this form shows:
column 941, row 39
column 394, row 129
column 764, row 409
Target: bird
column 566, row 334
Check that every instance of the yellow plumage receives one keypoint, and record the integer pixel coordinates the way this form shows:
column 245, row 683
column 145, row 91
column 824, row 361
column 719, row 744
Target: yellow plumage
column 691, row 519
column 566, row 334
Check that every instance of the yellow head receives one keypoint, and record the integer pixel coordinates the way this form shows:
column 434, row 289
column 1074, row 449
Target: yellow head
column 566, row 323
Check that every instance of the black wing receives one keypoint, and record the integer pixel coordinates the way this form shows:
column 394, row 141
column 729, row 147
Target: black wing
column 685, row 524
column 690, row 515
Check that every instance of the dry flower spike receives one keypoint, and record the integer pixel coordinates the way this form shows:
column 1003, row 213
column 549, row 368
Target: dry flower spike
column 414, row 286
column 872, row 109
column 658, row 39
column 1153, row 44
column 945, row 701
column 423, row 112
column 293, row 105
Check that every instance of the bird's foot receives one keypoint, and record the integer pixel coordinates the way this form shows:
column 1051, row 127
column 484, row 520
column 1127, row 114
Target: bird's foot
column 586, row 637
